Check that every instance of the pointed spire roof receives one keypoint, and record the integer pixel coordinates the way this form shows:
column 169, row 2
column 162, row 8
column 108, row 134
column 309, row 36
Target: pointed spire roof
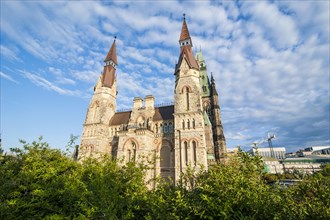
column 214, row 89
column 112, row 55
column 185, row 47
column 212, row 79
column 184, row 31
column 187, row 54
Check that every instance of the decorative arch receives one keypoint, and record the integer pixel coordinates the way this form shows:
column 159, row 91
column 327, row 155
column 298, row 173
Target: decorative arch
column 131, row 139
column 166, row 163
column 186, row 88
column 161, row 143
column 130, row 149
column 140, row 121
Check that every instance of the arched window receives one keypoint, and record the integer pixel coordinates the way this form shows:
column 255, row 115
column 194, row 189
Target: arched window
column 183, row 124
column 131, row 152
column 156, row 128
column 129, row 155
column 170, row 127
column 161, row 128
column 165, row 128
column 193, row 123
column 194, row 151
column 188, row 124
column 187, row 97
column 186, row 152
column 134, row 151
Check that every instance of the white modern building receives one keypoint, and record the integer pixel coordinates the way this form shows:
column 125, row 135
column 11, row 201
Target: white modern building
column 275, row 152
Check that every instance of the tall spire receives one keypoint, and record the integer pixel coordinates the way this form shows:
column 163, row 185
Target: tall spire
column 112, row 55
column 184, row 31
column 204, row 79
column 185, row 47
column 212, row 79
column 110, row 64
column 214, row 90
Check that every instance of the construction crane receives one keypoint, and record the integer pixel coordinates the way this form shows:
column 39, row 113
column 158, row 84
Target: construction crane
column 269, row 139
column 270, row 144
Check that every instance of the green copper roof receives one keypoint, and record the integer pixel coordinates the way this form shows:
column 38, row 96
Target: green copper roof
column 204, row 79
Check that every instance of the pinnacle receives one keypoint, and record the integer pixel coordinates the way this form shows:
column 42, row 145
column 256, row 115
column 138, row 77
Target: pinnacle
column 112, row 55
column 184, row 31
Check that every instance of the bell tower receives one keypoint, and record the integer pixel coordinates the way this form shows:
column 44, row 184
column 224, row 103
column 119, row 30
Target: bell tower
column 190, row 148
column 102, row 107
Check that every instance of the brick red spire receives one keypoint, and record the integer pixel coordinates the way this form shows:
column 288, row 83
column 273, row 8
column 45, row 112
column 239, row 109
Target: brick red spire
column 185, row 45
column 184, row 31
column 112, row 55
column 109, row 71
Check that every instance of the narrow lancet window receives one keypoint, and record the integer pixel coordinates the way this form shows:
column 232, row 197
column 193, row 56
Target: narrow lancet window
column 186, row 152
column 187, row 98
column 195, row 152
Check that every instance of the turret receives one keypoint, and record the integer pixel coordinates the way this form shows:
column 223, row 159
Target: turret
column 190, row 150
column 110, row 65
column 95, row 138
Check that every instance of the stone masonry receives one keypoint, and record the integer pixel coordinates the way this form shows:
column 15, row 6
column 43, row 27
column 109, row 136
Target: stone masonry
column 174, row 137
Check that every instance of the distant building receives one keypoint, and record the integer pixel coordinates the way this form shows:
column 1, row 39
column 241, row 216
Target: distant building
column 316, row 150
column 279, row 152
column 308, row 164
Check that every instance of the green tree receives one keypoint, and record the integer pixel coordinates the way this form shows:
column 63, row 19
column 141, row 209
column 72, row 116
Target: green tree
column 38, row 182
column 115, row 191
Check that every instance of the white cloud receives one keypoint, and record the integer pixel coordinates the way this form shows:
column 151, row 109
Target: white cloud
column 9, row 53
column 6, row 76
column 276, row 26
column 44, row 83
column 270, row 60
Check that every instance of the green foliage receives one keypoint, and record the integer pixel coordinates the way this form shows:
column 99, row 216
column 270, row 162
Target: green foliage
column 38, row 182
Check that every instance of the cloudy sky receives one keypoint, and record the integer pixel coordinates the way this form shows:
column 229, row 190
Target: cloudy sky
column 270, row 61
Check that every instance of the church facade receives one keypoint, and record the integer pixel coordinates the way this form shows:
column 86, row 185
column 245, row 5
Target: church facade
column 186, row 134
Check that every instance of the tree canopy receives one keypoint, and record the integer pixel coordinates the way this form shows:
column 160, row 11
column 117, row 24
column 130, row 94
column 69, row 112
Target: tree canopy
column 38, row 182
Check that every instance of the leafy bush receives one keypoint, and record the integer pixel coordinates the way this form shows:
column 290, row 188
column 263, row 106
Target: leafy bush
column 38, row 182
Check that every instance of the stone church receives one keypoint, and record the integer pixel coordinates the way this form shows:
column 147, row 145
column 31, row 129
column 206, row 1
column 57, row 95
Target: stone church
column 188, row 133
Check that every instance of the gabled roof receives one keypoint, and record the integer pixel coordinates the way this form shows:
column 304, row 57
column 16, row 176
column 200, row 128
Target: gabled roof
column 120, row 118
column 186, row 52
column 164, row 113
column 161, row 113
column 112, row 55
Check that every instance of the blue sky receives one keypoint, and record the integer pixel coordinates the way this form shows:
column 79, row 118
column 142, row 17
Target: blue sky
column 270, row 61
